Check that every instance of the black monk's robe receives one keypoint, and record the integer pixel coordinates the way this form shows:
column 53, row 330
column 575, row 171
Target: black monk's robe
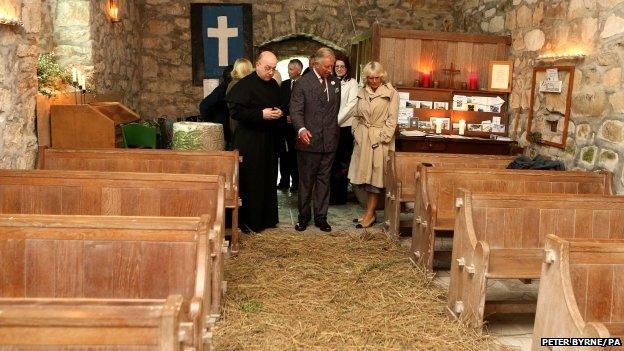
column 255, row 140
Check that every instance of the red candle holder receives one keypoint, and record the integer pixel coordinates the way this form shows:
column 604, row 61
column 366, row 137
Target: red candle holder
column 426, row 80
column 472, row 82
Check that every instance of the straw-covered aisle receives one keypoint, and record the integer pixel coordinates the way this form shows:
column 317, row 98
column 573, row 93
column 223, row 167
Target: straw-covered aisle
column 350, row 290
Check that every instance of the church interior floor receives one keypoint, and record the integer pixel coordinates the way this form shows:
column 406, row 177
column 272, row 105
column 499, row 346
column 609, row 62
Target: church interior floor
column 350, row 289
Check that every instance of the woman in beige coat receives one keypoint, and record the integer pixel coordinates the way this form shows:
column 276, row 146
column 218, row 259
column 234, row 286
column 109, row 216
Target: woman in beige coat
column 373, row 129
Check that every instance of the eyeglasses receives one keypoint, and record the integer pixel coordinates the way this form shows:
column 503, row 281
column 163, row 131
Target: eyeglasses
column 373, row 78
column 269, row 68
column 341, row 66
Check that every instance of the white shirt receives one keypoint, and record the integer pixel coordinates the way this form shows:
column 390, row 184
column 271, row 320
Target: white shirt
column 348, row 100
column 321, row 80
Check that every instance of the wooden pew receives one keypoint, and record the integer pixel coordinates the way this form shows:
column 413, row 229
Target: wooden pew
column 502, row 236
column 581, row 292
column 399, row 178
column 47, row 256
column 223, row 163
column 437, row 188
column 120, row 194
column 55, row 324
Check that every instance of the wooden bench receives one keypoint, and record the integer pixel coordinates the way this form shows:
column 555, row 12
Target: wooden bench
column 54, row 324
column 46, row 256
column 119, row 194
column 223, row 163
column 581, row 291
column 502, row 236
column 437, row 189
column 399, row 178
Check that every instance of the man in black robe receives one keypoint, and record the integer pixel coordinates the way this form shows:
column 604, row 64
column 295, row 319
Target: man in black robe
column 254, row 102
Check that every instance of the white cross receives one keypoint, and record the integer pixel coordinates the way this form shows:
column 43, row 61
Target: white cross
column 222, row 32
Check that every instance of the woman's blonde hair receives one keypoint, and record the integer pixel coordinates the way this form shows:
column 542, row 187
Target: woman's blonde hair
column 242, row 68
column 374, row 68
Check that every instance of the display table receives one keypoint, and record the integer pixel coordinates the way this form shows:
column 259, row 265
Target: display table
column 456, row 145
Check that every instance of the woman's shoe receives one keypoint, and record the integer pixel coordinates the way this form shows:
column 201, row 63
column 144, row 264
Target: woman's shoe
column 360, row 225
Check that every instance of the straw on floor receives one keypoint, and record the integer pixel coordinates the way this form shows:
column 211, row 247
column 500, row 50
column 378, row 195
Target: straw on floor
column 350, row 290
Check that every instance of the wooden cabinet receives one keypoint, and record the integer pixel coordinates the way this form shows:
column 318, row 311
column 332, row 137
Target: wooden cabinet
column 456, row 146
column 90, row 126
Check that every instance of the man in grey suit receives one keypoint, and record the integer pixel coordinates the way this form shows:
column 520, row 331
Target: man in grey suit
column 314, row 106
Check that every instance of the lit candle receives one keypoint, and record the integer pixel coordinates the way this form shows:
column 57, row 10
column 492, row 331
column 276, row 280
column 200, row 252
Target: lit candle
column 462, row 127
column 438, row 123
column 74, row 75
column 114, row 10
column 473, row 81
column 426, row 81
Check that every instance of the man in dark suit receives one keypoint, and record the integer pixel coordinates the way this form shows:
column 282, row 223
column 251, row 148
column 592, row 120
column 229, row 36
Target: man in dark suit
column 286, row 148
column 314, row 106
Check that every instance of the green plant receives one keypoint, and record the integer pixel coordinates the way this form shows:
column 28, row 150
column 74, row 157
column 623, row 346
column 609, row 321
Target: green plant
column 52, row 77
column 252, row 306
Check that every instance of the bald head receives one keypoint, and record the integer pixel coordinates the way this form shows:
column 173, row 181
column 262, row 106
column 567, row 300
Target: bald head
column 265, row 65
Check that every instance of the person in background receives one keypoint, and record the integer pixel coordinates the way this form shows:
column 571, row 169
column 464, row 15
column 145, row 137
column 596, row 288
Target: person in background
column 310, row 65
column 213, row 107
column 314, row 105
column 278, row 77
column 254, row 102
column 286, row 148
column 242, row 68
column 348, row 98
column 374, row 124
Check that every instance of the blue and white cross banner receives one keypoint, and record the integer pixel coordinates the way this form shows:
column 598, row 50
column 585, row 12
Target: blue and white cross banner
column 221, row 33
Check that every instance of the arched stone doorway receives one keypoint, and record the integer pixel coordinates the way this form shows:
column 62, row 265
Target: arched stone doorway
column 294, row 45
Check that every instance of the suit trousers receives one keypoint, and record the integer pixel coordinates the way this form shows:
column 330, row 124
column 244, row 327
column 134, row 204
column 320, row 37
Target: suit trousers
column 314, row 173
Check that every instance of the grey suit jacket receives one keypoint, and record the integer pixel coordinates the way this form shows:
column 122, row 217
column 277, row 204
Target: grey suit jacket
column 310, row 109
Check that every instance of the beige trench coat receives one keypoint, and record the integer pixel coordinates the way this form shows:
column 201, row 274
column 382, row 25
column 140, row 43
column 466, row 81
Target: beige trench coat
column 374, row 122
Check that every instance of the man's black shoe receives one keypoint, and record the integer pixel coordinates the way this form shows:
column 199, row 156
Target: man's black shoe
column 301, row 227
column 323, row 225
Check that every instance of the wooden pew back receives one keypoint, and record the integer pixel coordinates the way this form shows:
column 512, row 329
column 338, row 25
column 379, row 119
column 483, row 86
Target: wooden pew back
column 100, row 193
column 581, row 289
column 523, row 221
column 223, row 163
column 405, row 165
column 438, row 189
column 399, row 178
column 501, row 236
column 442, row 184
column 43, row 256
column 104, row 257
column 53, row 324
column 120, row 194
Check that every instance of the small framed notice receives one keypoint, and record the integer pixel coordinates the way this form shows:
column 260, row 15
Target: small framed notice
column 499, row 75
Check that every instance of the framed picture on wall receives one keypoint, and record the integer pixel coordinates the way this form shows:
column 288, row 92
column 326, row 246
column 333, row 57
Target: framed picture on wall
column 500, row 76
column 220, row 34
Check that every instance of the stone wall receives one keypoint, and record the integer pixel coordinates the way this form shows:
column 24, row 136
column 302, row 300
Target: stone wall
column 166, row 57
column 116, row 51
column 596, row 129
column 71, row 23
column 18, row 88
